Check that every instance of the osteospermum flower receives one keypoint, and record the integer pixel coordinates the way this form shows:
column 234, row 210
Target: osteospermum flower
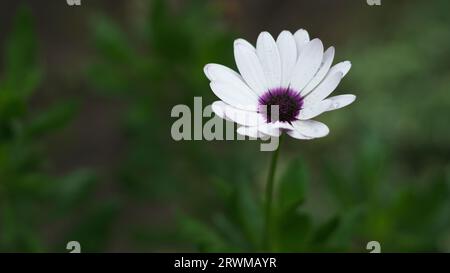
column 292, row 72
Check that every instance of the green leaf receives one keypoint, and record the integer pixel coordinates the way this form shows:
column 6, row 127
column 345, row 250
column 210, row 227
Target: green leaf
column 111, row 41
column 116, row 70
column 325, row 231
column 55, row 117
column 230, row 232
column 223, row 189
column 199, row 233
column 292, row 187
column 21, row 71
column 293, row 231
column 73, row 188
column 250, row 214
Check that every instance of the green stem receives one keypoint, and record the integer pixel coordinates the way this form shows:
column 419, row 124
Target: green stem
column 269, row 197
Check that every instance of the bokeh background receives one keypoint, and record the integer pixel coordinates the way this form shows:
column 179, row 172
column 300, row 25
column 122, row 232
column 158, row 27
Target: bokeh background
column 86, row 152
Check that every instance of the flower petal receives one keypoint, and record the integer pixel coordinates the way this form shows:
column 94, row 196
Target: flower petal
column 249, row 66
column 311, row 128
column 328, row 57
column 323, row 90
column 282, row 125
column 242, row 117
column 314, row 110
column 219, row 107
column 269, row 129
column 235, row 95
column 342, row 67
column 267, row 51
column 250, row 131
column 288, row 54
column 340, row 101
column 221, row 73
column 301, row 39
column 298, row 135
column 307, row 64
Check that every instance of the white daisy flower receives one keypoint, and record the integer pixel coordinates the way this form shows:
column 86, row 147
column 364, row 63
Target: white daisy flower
column 292, row 72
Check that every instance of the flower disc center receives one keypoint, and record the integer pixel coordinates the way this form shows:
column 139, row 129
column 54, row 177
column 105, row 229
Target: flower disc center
column 288, row 101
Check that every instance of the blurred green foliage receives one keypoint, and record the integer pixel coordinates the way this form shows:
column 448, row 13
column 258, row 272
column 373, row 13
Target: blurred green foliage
column 148, row 68
column 30, row 197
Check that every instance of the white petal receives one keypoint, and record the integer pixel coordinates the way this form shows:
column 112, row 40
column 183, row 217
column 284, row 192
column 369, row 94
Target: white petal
column 242, row 117
column 219, row 107
column 268, row 55
column 342, row 67
column 328, row 57
column 269, row 129
column 221, row 73
column 281, row 125
column 340, row 101
column 235, row 95
column 288, row 54
column 307, row 64
column 301, row 39
column 297, row 135
column 249, row 66
column 250, row 131
column 324, row 89
column 314, row 110
column 311, row 128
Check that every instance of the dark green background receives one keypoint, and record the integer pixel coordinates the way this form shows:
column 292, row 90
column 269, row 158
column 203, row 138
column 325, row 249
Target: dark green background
column 86, row 152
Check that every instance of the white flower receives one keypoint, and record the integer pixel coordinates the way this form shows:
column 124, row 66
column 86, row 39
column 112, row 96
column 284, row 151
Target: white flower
column 292, row 72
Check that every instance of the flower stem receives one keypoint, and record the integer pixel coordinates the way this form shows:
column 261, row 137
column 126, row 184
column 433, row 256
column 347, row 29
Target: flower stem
column 267, row 235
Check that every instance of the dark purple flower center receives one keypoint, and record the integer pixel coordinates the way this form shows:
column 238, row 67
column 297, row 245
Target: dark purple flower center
column 289, row 104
